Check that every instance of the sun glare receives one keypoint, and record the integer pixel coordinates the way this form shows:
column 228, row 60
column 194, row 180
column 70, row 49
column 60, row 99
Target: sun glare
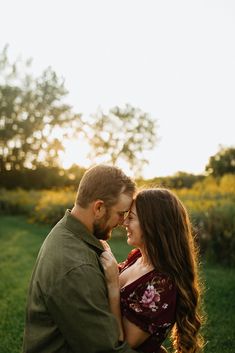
column 76, row 152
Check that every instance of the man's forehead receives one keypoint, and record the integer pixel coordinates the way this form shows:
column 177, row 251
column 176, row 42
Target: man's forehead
column 125, row 201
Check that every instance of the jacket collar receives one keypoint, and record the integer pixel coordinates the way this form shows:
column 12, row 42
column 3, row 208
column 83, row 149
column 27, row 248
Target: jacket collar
column 80, row 230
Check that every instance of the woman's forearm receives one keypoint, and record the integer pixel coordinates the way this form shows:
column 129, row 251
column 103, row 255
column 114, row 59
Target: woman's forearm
column 114, row 302
column 112, row 279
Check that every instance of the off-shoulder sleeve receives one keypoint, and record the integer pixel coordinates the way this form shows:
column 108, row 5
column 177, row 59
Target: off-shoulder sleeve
column 151, row 304
column 132, row 256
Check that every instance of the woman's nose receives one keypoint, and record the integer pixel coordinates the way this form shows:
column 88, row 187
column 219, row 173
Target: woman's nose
column 125, row 222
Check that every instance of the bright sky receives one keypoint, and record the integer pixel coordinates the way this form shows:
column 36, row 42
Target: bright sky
column 173, row 59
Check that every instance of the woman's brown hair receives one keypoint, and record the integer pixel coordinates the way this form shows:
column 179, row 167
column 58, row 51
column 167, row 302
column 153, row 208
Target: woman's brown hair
column 171, row 247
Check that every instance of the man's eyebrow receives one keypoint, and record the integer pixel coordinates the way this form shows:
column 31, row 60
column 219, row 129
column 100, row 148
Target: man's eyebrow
column 123, row 212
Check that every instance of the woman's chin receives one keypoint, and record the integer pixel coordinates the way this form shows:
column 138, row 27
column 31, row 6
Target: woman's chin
column 129, row 242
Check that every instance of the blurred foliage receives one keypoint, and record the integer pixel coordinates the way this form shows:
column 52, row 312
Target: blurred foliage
column 177, row 181
column 42, row 206
column 122, row 135
column 41, row 178
column 223, row 162
column 35, row 123
column 52, row 205
column 18, row 201
column 210, row 202
column 30, row 111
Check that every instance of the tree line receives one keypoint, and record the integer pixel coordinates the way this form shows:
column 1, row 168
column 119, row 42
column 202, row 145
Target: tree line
column 33, row 110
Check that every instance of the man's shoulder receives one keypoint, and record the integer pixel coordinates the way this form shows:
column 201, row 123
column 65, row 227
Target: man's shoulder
column 64, row 252
column 71, row 243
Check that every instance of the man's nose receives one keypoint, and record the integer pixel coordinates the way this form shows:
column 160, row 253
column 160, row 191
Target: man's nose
column 121, row 220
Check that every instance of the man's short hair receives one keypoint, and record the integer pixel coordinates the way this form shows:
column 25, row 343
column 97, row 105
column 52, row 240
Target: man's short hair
column 105, row 183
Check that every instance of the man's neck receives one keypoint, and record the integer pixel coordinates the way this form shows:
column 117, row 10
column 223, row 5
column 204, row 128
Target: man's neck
column 84, row 216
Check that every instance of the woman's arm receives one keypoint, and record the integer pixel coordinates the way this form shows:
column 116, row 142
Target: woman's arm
column 134, row 335
column 112, row 278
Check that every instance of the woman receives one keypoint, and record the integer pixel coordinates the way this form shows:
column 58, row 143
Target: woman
column 157, row 289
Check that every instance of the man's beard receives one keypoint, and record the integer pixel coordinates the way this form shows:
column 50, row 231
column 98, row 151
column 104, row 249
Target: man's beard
column 100, row 228
column 101, row 233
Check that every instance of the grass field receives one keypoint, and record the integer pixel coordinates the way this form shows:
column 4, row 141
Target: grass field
column 19, row 244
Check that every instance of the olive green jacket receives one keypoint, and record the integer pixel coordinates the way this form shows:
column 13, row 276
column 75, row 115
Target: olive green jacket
column 67, row 306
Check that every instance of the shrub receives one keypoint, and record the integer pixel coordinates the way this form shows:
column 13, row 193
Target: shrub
column 210, row 202
column 219, row 225
column 52, row 205
column 18, row 201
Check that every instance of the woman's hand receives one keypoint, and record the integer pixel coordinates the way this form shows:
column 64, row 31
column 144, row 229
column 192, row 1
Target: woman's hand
column 110, row 266
column 105, row 245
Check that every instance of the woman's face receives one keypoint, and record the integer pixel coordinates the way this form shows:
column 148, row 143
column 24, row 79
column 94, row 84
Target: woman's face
column 134, row 232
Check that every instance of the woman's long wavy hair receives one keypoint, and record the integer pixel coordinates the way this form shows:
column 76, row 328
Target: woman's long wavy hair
column 171, row 247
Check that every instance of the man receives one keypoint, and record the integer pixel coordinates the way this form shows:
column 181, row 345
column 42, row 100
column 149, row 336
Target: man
column 67, row 306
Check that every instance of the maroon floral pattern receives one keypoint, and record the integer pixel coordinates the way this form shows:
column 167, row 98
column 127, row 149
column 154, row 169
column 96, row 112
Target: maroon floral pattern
column 149, row 302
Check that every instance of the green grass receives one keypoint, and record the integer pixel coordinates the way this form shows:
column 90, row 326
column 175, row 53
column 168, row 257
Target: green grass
column 220, row 308
column 19, row 244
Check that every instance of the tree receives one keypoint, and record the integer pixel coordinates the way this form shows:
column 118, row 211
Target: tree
column 177, row 181
column 30, row 111
column 223, row 162
column 121, row 135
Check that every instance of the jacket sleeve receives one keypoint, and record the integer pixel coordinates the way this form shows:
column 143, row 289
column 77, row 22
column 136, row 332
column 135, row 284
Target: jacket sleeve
column 79, row 305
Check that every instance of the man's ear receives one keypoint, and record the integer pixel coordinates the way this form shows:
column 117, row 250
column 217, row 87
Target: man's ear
column 99, row 209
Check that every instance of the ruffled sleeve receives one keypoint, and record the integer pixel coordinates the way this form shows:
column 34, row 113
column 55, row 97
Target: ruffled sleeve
column 132, row 257
column 150, row 304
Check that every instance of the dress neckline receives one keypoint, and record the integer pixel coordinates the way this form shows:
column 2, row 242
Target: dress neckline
column 139, row 279
column 133, row 258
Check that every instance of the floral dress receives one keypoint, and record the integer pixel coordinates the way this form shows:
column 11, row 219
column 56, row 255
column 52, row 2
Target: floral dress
column 149, row 302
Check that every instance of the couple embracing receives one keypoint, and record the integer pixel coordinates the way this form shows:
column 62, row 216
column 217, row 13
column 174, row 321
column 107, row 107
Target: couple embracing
column 81, row 300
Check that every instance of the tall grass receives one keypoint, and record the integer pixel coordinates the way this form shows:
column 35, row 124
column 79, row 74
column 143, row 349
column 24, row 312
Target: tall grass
column 210, row 202
column 20, row 242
